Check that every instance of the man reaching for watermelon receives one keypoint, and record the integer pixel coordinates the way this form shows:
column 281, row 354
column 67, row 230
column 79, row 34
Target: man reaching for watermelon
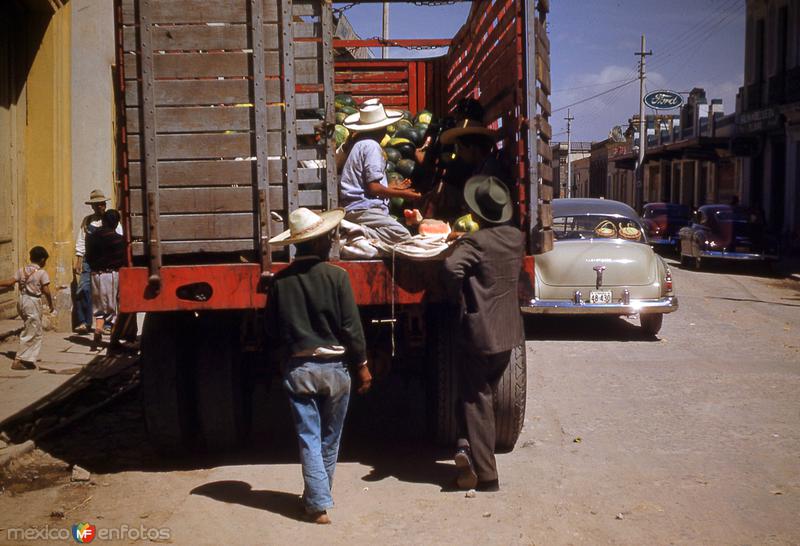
column 481, row 277
column 364, row 190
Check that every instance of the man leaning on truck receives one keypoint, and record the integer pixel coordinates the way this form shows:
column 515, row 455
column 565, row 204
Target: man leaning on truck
column 313, row 318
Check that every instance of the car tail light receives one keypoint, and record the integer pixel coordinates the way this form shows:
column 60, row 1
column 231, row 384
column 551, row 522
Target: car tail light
column 668, row 281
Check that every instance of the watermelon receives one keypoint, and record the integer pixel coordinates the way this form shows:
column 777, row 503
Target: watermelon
column 340, row 135
column 340, row 116
column 390, row 167
column 343, row 100
column 403, row 123
column 412, row 216
column 397, row 202
column 391, row 129
column 410, row 134
column 349, row 110
column 394, row 177
column 466, row 224
column 385, row 140
column 430, row 227
column 421, row 128
column 424, row 116
column 406, row 167
column 392, row 154
column 407, row 115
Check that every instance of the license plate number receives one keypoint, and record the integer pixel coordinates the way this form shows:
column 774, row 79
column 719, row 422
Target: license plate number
column 600, row 296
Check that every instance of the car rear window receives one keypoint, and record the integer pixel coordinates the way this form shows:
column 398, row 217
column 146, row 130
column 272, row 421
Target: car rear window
column 597, row 226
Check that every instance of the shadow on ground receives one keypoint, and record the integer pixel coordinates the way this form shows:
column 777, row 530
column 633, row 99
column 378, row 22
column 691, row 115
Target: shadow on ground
column 577, row 328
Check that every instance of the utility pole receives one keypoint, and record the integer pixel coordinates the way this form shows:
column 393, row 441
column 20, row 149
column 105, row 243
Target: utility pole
column 642, row 130
column 569, row 119
column 385, row 33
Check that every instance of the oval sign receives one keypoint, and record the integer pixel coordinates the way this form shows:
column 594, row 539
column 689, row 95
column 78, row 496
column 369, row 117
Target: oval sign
column 663, row 100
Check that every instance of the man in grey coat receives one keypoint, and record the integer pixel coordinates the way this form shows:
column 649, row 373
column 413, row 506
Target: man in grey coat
column 481, row 276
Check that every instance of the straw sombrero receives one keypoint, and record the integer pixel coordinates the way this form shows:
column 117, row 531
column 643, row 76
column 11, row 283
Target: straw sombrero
column 305, row 224
column 370, row 116
column 467, row 127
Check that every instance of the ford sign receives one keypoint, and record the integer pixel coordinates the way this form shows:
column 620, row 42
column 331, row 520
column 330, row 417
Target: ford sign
column 663, row 100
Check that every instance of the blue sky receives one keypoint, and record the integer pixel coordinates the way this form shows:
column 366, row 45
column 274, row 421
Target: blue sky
column 696, row 43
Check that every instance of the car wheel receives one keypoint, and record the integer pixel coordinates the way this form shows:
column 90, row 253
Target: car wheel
column 651, row 323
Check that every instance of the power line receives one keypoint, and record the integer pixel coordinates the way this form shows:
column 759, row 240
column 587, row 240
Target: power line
column 595, row 96
column 592, row 85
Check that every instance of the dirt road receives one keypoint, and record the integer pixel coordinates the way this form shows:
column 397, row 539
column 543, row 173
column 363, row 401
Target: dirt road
column 689, row 439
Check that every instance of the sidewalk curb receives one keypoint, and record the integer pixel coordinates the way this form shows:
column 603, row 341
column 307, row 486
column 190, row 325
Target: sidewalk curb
column 14, row 451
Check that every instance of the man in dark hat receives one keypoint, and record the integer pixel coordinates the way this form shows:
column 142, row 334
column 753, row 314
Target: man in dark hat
column 481, row 277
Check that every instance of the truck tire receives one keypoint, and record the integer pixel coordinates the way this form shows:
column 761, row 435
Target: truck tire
column 219, row 384
column 509, row 401
column 167, row 401
column 442, row 379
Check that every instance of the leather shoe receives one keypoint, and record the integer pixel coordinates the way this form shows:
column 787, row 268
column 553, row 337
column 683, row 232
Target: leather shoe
column 467, row 478
column 320, row 518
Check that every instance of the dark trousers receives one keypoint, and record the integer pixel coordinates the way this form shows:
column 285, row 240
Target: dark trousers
column 478, row 376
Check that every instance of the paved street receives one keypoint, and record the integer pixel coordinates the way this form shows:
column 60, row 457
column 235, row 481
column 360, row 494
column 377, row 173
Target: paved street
column 689, row 439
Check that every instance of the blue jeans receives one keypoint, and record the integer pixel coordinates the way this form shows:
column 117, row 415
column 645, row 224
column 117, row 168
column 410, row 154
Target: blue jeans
column 83, row 297
column 318, row 395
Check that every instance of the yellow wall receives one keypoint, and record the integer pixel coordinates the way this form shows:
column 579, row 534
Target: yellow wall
column 47, row 197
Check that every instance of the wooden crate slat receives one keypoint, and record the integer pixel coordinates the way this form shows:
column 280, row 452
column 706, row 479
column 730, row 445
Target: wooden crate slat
column 398, row 88
column 370, row 76
column 545, row 214
column 177, row 227
column 205, row 146
column 546, row 173
column 545, row 192
column 217, row 172
column 228, row 64
column 220, row 199
column 188, row 119
column 216, row 37
column 196, row 173
column 198, row 11
column 197, row 247
column 544, row 150
column 545, row 128
column 544, row 102
column 202, row 92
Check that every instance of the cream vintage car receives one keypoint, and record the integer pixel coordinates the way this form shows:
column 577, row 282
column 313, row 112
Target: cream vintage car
column 601, row 264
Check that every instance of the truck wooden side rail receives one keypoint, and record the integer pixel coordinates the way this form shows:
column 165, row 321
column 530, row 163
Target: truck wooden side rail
column 223, row 109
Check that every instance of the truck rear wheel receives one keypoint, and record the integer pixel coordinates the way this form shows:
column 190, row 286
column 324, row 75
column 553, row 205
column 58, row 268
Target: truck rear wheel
column 509, row 394
column 166, row 382
column 509, row 400
column 443, row 387
column 219, row 384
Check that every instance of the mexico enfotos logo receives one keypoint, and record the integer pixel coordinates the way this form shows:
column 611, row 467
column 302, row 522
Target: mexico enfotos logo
column 84, row 533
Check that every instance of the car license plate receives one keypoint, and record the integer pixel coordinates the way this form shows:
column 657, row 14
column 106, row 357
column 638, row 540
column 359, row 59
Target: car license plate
column 600, row 296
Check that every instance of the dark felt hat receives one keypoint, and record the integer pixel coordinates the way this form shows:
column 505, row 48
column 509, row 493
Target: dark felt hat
column 489, row 198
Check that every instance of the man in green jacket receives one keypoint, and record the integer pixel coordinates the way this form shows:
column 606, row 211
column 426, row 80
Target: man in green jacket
column 313, row 317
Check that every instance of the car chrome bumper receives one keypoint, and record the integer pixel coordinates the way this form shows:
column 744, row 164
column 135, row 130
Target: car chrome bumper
column 743, row 256
column 668, row 304
column 669, row 241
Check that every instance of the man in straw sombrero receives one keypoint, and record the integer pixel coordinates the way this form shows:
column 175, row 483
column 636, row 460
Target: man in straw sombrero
column 481, row 277
column 363, row 189
column 312, row 316
column 83, row 293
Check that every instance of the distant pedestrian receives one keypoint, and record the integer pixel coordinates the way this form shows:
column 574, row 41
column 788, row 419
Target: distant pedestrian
column 33, row 282
column 312, row 316
column 83, row 293
column 105, row 254
column 481, row 277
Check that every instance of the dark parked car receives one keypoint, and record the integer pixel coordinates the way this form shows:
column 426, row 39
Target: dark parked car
column 727, row 232
column 663, row 221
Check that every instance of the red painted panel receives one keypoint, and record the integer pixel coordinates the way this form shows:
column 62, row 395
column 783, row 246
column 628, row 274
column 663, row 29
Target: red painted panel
column 235, row 286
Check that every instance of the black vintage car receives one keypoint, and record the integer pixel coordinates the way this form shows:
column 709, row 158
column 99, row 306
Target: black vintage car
column 663, row 221
column 726, row 232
